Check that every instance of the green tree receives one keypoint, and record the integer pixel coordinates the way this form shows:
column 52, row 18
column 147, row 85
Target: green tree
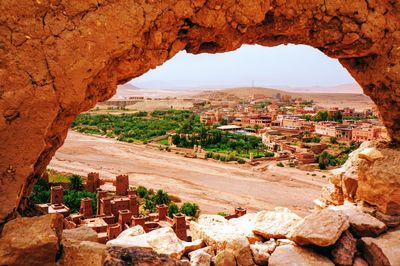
column 321, row 116
column 149, row 205
column 142, row 191
column 72, row 198
column 76, row 183
column 189, row 209
column 172, row 209
column 337, row 117
column 41, row 192
column 161, row 197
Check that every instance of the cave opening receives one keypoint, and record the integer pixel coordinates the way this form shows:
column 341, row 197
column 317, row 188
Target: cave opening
column 301, row 72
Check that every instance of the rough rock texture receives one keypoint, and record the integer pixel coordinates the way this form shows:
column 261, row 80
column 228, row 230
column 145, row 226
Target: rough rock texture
column 201, row 257
column 299, row 256
column 163, row 241
column 344, row 250
column 82, row 233
column 276, row 223
column 83, row 253
column 224, row 258
column 80, row 247
column 261, row 253
column 372, row 174
column 361, row 223
column 383, row 250
column 133, row 231
column 322, row 228
column 31, row 241
column 138, row 256
column 58, row 58
column 358, row 261
column 379, row 181
column 224, row 235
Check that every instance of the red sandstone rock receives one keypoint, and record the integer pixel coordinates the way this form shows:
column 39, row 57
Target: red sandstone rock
column 31, row 241
column 295, row 255
column 138, row 256
column 383, row 250
column 322, row 228
column 344, row 250
column 60, row 58
column 361, row 224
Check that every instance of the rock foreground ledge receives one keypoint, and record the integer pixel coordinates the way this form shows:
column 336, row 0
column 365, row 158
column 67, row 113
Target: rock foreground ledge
column 58, row 58
column 320, row 238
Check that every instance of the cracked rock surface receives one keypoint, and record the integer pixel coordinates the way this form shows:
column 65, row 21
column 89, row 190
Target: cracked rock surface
column 59, row 57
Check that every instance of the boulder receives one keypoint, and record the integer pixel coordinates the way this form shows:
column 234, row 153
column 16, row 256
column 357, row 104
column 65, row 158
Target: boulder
column 358, row 261
column 133, row 231
column 383, row 250
column 194, row 245
column 344, row 250
column 83, row 253
column 117, row 256
column 31, row 240
column 389, row 220
column 82, row 233
column 322, row 228
column 222, row 234
column 349, row 187
column 276, row 223
column 379, row 180
column 80, row 247
column 282, row 242
column 224, row 258
column 163, row 241
column 299, row 256
column 332, row 194
column 244, row 225
column 371, row 154
column 240, row 248
column 261, row 252
column 361, row 223
column 201, row 257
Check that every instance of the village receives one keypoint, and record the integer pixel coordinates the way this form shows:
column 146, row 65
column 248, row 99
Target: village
column 293, row 128
column 117, row 208
column 294, row 131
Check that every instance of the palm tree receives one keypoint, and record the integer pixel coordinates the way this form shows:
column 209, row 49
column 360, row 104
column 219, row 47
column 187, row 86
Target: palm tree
column 75, row 183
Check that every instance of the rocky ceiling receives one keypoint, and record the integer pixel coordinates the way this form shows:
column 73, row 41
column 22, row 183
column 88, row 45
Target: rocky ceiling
column 59, row 57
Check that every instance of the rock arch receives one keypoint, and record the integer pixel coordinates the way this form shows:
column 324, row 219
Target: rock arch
column 59, row 57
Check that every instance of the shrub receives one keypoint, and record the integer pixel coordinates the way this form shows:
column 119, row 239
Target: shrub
column 189, row 209
column 76, row 183
column 142, row 191
column 72, row 198
column 241, row 160
column 161, row 197
column 172, row 209
column 222, row 214
column 280, row 164
column 149, row 205
column 41, row 192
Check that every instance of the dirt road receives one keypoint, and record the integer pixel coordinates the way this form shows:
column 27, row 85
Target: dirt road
column 215, row 186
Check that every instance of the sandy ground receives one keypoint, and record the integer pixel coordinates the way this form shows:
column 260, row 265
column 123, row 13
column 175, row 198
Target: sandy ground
column 215, row 186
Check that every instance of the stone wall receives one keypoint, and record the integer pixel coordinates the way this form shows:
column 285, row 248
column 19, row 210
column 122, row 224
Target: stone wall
column 60, row 57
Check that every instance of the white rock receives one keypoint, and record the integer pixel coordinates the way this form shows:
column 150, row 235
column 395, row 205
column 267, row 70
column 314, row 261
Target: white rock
column 276, row 223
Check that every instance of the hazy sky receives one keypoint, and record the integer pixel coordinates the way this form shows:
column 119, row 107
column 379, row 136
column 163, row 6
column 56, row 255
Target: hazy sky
column 291, row 65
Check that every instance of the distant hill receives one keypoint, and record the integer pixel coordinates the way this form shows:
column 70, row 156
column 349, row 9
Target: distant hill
column 343, row 88
column 358, row 101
